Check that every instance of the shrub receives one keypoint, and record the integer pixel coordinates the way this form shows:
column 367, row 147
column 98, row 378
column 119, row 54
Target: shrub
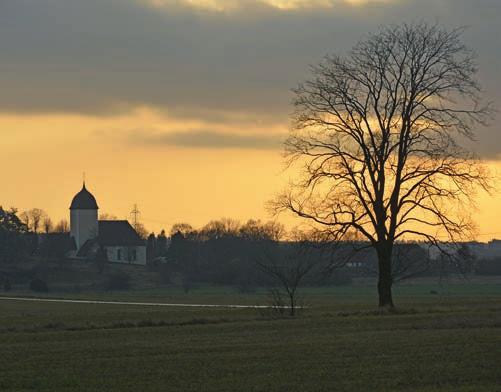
column 39, row 286
column 187, row 284
column 489, row 267
column 165, row 273
column 118, row 281
column 340, row 278
column 245, row 285
column 336, row 277
column 7, row 285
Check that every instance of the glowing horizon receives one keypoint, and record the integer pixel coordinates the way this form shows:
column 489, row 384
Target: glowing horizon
column 171, row 184
column 181, row 106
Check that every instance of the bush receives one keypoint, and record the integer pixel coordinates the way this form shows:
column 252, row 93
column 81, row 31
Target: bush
column 489, row 267
column 165, row 273
column 187, row 284
column 245, row 285
column 39, row 286
column 340, row 278
column 118, row 281
column 7, row 285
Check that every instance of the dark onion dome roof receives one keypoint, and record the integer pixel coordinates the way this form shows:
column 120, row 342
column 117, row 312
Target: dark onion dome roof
column 84, row 200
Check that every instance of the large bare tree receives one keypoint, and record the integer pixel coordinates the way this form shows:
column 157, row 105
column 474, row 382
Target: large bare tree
column 379, row 135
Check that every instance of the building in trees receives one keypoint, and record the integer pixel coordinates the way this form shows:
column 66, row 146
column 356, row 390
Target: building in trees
column 117, row 238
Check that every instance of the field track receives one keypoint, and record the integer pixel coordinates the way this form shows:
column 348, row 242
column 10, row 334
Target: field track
column 83, row 301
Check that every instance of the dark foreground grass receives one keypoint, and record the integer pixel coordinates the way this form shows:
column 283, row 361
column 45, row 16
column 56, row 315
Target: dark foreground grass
column 433, row 343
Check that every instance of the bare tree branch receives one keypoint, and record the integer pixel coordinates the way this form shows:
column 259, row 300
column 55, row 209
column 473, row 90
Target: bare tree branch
column 377, row 137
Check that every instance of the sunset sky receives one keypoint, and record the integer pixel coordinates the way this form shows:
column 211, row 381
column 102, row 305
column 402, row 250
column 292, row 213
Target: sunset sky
column 181, row 106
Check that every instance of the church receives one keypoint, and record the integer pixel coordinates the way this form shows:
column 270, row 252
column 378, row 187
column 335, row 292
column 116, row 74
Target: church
column 116, row 239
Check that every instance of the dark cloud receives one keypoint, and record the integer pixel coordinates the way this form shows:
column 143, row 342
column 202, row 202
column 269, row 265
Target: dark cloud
column 101, row 57
column 207, row 139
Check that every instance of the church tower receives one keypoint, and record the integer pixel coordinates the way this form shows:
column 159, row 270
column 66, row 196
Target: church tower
column 83, row 217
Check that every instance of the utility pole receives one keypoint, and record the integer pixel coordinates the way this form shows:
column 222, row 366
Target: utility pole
column 135, row 213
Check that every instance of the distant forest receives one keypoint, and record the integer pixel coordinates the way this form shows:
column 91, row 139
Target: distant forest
column 223, row 252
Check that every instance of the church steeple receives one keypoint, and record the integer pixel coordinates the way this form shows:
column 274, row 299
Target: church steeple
column 83, row 217
column 84, row 200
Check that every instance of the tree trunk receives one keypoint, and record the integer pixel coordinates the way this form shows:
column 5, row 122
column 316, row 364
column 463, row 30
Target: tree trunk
column 292, row 304
column 385, row 279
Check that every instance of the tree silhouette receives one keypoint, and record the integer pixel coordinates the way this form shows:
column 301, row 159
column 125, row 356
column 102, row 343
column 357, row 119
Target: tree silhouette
column 378, row 136
column 62, row 226
column 287, row 264
column 47, row 224
column 13, row 241
column 34, row 219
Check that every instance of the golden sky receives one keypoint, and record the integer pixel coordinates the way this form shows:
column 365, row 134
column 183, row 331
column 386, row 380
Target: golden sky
column 180, row 106
column 47, row 155
column 44, row 157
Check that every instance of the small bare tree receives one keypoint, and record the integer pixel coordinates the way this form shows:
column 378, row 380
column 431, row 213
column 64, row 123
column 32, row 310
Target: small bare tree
column 62, row 226
column 183, row 228
column 287, row 264
column 25, row 218
column 107, row 216
column 47, row 224
column 378, row 134
column 36, row 218
column 141, row 230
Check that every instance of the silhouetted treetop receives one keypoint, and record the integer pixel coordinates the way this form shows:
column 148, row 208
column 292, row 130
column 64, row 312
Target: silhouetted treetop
column 377, row 135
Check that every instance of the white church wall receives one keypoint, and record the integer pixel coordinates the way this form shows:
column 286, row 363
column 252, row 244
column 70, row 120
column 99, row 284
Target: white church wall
column 83, row 226
column 141, row 255
column 127, row 254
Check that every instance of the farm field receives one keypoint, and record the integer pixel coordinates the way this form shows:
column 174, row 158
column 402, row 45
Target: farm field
column 445, row 338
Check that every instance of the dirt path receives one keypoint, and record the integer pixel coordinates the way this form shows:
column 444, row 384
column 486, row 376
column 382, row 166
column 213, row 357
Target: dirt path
column 94, row 302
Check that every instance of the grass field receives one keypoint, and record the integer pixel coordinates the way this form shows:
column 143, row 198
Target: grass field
column 450, row 341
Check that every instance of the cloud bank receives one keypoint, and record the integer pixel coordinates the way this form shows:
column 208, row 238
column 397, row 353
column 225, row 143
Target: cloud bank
column 207, row 139
column 204, row 59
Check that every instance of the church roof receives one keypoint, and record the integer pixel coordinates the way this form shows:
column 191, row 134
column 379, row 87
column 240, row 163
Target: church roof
column 84, row 200
column 87, row 248
column 118, row 233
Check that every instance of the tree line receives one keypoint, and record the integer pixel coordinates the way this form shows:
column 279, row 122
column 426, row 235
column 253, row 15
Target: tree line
column 37, row 221
column 247, row 256
column 380, row 137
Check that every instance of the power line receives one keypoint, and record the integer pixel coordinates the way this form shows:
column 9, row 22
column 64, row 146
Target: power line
column 135, row 213
column 484, row 234
column 156, row 221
